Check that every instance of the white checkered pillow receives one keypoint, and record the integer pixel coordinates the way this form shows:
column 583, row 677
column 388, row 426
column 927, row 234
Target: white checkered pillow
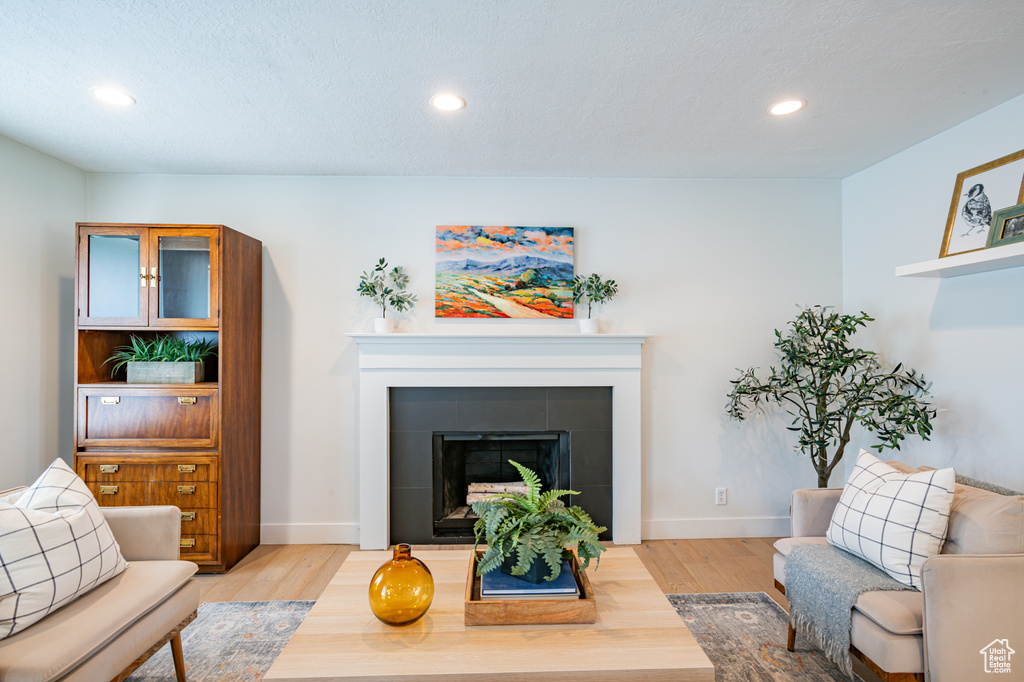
column 891, row 519
column 55, row 545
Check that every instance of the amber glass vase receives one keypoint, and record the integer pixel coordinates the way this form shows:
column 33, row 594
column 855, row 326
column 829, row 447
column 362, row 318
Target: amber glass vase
column 401, row 590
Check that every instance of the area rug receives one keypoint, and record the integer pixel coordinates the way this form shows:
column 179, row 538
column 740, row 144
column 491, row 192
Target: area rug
column 229, row 642
column 744, row 635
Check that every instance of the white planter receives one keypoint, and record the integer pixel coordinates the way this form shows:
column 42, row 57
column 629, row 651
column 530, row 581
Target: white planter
column 588, row 326
column 383, row 325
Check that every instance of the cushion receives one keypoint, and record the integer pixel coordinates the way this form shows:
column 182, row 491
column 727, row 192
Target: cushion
column 893, row 520
column 91, row 623
column 54, row 546
column 899, row 612
column 983, row 522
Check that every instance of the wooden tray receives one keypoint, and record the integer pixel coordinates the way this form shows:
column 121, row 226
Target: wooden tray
column 530, row 611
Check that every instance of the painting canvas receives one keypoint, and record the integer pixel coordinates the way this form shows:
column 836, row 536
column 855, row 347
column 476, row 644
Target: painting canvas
column 504, row 271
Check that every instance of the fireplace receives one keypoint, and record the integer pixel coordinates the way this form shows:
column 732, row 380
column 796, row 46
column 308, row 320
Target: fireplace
column 472, row 465
column 444, row 439
column 390, row 363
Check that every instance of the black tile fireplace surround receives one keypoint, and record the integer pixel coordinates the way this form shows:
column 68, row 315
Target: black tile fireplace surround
column 419, row 416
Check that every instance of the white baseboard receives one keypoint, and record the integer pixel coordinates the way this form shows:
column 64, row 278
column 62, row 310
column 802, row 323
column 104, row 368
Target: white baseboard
column 309, row 533
column 748, row 527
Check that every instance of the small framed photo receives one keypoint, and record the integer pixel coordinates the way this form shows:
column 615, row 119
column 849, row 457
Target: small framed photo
column 1007, row 226
column 978, row 193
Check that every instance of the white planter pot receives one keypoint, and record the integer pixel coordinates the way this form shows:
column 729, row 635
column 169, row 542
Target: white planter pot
column 383, row 325
column 588, row 326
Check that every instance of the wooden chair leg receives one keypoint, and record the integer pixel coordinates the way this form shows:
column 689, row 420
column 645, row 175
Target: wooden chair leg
column 179, row 658
column 791, row 638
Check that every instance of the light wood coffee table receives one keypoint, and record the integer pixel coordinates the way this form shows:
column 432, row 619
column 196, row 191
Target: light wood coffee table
column 637, row 636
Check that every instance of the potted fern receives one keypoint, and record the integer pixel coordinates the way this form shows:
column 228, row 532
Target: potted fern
column 596, row 291
column 162, row 359
column 386, row 288
column 528, row 534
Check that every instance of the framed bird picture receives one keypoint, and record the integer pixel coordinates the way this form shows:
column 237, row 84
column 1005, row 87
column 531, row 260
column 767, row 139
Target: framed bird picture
column 978, row 193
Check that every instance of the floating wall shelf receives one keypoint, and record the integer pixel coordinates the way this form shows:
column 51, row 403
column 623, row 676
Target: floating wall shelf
column 998, row 258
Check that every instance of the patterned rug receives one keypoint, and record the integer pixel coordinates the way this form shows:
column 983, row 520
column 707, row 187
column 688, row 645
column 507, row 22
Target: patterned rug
column 744, row 635
column 229, row 642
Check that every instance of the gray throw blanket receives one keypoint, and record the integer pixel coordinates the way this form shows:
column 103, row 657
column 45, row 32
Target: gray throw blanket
column 822, row 584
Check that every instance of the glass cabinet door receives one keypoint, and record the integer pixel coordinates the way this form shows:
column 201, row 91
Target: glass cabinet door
column 182, row 277
column 112, row 274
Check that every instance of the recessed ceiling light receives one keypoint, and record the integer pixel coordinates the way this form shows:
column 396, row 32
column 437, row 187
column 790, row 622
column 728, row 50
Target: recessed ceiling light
column 788, row 106
column 448, row 102
column 112, row 96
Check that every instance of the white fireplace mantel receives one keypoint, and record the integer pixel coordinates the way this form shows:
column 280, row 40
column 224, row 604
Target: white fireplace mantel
column 454, row 360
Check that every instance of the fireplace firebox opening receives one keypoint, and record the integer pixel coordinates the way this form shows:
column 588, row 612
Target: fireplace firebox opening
column 481, row 460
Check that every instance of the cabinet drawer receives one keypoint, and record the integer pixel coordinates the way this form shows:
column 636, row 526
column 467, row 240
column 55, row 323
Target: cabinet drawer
column 118, row 416
column 198, row 547
column 198, row 522
column 182, row 495
column 117, row 471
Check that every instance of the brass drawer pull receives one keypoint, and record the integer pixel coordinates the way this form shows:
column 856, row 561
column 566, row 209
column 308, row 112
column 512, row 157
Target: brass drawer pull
column 188, row 516
column 110, row 400
column 186, row 400
column 190, row 542
column 108, row 468
column 108, row 490
column 186, row 468
column 187, row 489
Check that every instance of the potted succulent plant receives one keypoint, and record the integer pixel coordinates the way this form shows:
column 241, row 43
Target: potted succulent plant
column 527, row 534
column 163, row 359
column 386, row 288
column 595, row 291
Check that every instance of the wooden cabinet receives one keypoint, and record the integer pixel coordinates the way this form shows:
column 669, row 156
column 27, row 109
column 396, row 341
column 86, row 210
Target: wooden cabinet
column 196, row 446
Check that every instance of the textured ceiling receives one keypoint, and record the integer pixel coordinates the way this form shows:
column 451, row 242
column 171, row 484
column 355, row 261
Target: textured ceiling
column 607, row 88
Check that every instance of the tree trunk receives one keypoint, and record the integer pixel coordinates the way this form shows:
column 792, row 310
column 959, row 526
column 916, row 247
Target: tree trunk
column 823, row 478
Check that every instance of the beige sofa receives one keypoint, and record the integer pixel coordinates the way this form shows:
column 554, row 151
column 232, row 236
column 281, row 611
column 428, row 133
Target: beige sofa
column 973, row 591
column 110, row 631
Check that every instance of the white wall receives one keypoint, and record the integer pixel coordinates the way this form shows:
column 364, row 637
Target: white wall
column 965, row 333
column 40, row 200
column 709, row 266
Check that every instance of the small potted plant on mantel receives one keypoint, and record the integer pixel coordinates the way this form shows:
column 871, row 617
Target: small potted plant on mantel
column 163, row 359
column 595, row 291
column 528, row 534
column 386, row 288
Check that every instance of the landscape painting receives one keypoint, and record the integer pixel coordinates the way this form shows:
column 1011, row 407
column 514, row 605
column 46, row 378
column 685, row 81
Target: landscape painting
column 504, row 271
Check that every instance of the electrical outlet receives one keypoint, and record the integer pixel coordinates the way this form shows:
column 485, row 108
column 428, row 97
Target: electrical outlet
column 721, row 496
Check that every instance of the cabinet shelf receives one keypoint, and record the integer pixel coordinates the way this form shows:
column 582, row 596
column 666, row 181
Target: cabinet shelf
column 985, row 260
column 124, row 384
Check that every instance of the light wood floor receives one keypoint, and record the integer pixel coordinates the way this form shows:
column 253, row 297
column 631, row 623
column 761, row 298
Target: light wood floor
column 284, row 572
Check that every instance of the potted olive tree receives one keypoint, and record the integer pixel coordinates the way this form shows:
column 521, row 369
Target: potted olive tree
column 386, row 288
column 595, row 291
column 527, row 534
column 827, row 385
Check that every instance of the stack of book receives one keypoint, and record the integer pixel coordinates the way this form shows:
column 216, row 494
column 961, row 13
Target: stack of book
column 497, row 585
